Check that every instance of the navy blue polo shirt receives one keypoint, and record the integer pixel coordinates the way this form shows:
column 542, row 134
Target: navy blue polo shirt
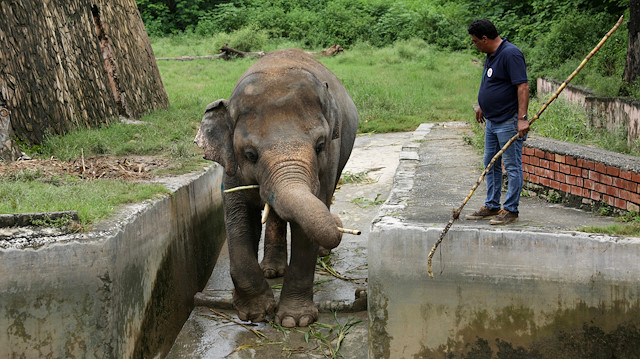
column 498, row 95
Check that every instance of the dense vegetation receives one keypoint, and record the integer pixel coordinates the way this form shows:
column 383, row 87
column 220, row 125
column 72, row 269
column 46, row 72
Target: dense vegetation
column 554, row 35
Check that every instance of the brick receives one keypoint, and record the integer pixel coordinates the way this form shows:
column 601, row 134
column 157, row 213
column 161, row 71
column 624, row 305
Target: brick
column 532, row 178
column 565, row 169
column 549, row 173
column 544, row 163
column 527, row 168
column 559, row 158
column 545, row 182
column 579, row 182
column 554, row 184
column 589, row 184
column 575, row 190
column 539, row 171
column 626, row 195
column 534, row 161
column 595, row 196
column 539, row 153
column 560, row 177
column 635, row 177
column 594, row 176
column 620, row 203
column 575, row 171
column 571, row 161
column 613, row 171
column 550, row 156
column 618, row 182
column 571, row 180
column 601, row 188
column 590, row 165
column 632, row 207
column 608, row 180
column 631, row 186
column 554, row 166
column 600, row 167
column 528, row 151
column 565, row 188
column 612, row 191
column 626, row 175
column 635, row 198
column 585, row 173
column 609, row 200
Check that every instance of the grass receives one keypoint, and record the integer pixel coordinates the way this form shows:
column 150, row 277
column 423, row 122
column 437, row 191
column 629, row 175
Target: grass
column 569, row 122
column 94, row 200
column 395, row 89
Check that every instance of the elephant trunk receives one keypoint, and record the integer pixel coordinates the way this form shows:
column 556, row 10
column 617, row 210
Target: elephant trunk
column 298, row 204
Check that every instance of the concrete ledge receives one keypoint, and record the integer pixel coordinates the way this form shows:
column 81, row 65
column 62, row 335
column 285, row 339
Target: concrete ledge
column 514, row 286
column 537, row 286
column 120, row 291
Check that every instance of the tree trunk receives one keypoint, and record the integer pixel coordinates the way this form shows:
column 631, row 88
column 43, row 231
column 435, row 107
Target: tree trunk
column 75, row 63
column 632, row 67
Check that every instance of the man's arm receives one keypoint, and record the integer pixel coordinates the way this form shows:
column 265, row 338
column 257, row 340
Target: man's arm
column 523, row 106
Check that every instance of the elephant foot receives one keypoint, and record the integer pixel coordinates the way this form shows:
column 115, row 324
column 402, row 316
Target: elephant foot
column 274, row 263
column 273, row 269
column 254, row 308
column 296, row 314
column 323, row 252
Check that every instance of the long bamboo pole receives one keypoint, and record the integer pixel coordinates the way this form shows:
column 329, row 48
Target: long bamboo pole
column 456, row 212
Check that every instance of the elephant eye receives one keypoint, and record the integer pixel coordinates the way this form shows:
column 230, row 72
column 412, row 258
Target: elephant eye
column 319, row 147
column 251, row 155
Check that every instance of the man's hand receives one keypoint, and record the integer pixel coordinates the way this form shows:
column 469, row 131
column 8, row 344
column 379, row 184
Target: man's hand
column 523, row 127
column 480, row 115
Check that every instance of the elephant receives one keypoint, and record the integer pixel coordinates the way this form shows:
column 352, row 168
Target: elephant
column 288, row 127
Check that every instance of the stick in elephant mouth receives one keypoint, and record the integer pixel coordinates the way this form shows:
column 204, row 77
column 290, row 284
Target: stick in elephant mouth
column 265, row 212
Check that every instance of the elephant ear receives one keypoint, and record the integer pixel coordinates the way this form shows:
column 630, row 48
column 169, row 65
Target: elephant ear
column 215, row 136
column 330, row 110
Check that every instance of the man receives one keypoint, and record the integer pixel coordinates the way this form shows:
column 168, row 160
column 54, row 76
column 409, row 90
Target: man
column 503, row 100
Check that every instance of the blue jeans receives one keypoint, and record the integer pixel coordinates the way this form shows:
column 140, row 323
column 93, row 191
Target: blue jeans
column 495, row 137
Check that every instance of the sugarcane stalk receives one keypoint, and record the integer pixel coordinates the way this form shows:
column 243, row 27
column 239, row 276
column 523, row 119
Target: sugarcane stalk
column 456, row 212
column 241, row 188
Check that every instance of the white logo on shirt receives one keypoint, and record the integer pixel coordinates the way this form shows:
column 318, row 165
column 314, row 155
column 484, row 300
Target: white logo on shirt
column 489, row 72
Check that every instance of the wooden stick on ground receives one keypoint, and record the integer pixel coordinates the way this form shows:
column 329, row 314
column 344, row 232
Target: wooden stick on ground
column 456, row 212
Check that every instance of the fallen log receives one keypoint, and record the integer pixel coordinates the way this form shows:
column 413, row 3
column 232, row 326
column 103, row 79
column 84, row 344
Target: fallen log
column 228, row 53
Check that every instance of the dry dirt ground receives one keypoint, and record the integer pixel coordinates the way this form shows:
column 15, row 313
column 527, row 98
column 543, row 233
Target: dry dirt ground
column 130, row 168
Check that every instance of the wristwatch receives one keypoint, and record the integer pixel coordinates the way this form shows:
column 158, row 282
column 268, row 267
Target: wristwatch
column 525, row 118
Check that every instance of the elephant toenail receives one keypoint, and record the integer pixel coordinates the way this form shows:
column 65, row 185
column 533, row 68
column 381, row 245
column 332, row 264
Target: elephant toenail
column 288, row 322
column 306, row 320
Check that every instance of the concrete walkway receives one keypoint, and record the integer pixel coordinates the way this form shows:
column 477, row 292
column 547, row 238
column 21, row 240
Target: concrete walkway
column 435, row 159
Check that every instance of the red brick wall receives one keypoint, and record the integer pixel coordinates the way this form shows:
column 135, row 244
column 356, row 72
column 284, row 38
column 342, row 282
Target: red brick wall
column 585, row 178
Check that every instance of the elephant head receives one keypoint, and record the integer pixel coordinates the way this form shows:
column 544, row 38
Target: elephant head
column 278, row 130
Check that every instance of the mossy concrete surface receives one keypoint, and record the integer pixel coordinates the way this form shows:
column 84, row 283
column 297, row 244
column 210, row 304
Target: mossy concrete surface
column 123, row 289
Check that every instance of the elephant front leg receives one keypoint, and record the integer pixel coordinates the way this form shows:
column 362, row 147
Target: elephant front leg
column 296, row 307
column 274, row 262
column 252, row 296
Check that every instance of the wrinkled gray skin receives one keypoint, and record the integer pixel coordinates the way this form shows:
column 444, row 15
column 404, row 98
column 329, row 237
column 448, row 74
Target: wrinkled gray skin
column 289, row 127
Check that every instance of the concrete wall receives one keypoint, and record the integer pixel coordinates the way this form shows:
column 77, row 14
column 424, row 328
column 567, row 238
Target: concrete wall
column 121, row 291
column 604, row 112
column 532, row 291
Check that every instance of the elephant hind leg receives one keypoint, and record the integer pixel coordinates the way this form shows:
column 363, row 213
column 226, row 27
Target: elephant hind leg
column 274, row 262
